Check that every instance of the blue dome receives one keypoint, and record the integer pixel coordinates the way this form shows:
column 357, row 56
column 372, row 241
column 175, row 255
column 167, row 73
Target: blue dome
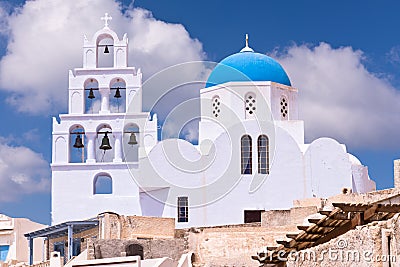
column 248, row 66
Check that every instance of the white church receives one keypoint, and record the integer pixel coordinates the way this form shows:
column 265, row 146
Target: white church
column 251, row 155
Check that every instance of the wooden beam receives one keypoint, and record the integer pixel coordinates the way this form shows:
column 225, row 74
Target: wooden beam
column 325, row 212
column 352, row 207
column 307, row 240
column 292, row 236
column 369, row 213
column 315, row 221
column 286, row 244
column 393, row 208
column 320, row 230
column 341, row 230
column 329, row 223
column 303, row 227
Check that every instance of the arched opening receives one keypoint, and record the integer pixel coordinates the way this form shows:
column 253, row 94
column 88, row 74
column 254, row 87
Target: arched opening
column 102, row 184
column 118, row 96
column 105, row 52
column 77, row 144
column 92, row 96
column 131, row 142
column 246, row 158
column 104, row 143
column 263, row 154
column 250, row 105
column 134, row 250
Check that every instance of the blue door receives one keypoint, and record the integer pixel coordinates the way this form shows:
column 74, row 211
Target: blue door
column 3, row 252
column 77, row 247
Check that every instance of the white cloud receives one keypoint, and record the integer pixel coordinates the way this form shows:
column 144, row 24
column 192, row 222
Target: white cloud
column 393, row 56
column 22, row 171
column 340, row 98
column 45, row 40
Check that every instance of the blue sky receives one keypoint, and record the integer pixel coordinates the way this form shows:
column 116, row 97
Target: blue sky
column 343, row 56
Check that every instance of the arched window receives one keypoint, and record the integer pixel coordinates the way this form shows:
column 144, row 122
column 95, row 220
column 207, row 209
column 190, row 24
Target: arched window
column 104, row 143
column 263, row 154
column 246, row 159
column 77, row 142
column 92, row 96
column 131, row 142
column 284, row 108
column 105, row 52
column 102, row 184
column 216, row 106
column 117, row 96
column 250, row 105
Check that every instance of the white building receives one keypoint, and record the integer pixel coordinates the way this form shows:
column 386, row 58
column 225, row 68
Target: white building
column 14, row 247
column 251, row 154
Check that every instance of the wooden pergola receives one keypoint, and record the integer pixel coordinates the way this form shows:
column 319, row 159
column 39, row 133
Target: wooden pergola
column 333, row 223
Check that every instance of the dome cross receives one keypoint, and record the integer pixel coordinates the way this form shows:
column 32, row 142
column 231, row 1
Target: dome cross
column 106, row 18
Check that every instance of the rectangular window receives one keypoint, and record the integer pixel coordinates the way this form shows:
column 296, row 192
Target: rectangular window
column 183, row 209
column 4, row 252
column 251, row 216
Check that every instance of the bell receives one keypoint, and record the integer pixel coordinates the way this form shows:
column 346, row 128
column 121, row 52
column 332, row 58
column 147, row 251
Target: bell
column 78, row 142
column 105, row 143
column 106, row 50
column 91, row 94
column 117, row 93
column 132, row 139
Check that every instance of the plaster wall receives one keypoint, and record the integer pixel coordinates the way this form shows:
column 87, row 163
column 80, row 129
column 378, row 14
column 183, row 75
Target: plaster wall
column 12, row 232
column 124, row 198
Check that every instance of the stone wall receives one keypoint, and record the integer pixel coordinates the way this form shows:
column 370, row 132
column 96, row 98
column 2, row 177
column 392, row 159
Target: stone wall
column 152, row 248
column 370, row 245
column 232, row 246
column 114, row 226
column 396, row 172
column 294, row 216
column 382, row 196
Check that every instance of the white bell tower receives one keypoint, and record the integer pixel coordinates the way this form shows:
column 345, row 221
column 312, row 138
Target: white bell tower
column 98, row 144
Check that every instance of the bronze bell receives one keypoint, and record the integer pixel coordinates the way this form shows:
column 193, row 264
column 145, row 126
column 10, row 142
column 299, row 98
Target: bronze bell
column 91, row 94
column 78, row 142
column 117, row 93
column 105, row 143
column 132, row 139
column 106, row 51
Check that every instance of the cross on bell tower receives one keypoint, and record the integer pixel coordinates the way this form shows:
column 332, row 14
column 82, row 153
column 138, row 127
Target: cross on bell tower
column 106, row 18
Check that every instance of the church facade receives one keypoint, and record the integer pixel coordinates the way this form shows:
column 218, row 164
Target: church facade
column 251, row 155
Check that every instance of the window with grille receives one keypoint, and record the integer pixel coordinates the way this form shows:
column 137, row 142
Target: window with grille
column 216, row 106
column 246, row 159
column 284, row 108
column 263, row 154
column 250, row 105
column 183, row 209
